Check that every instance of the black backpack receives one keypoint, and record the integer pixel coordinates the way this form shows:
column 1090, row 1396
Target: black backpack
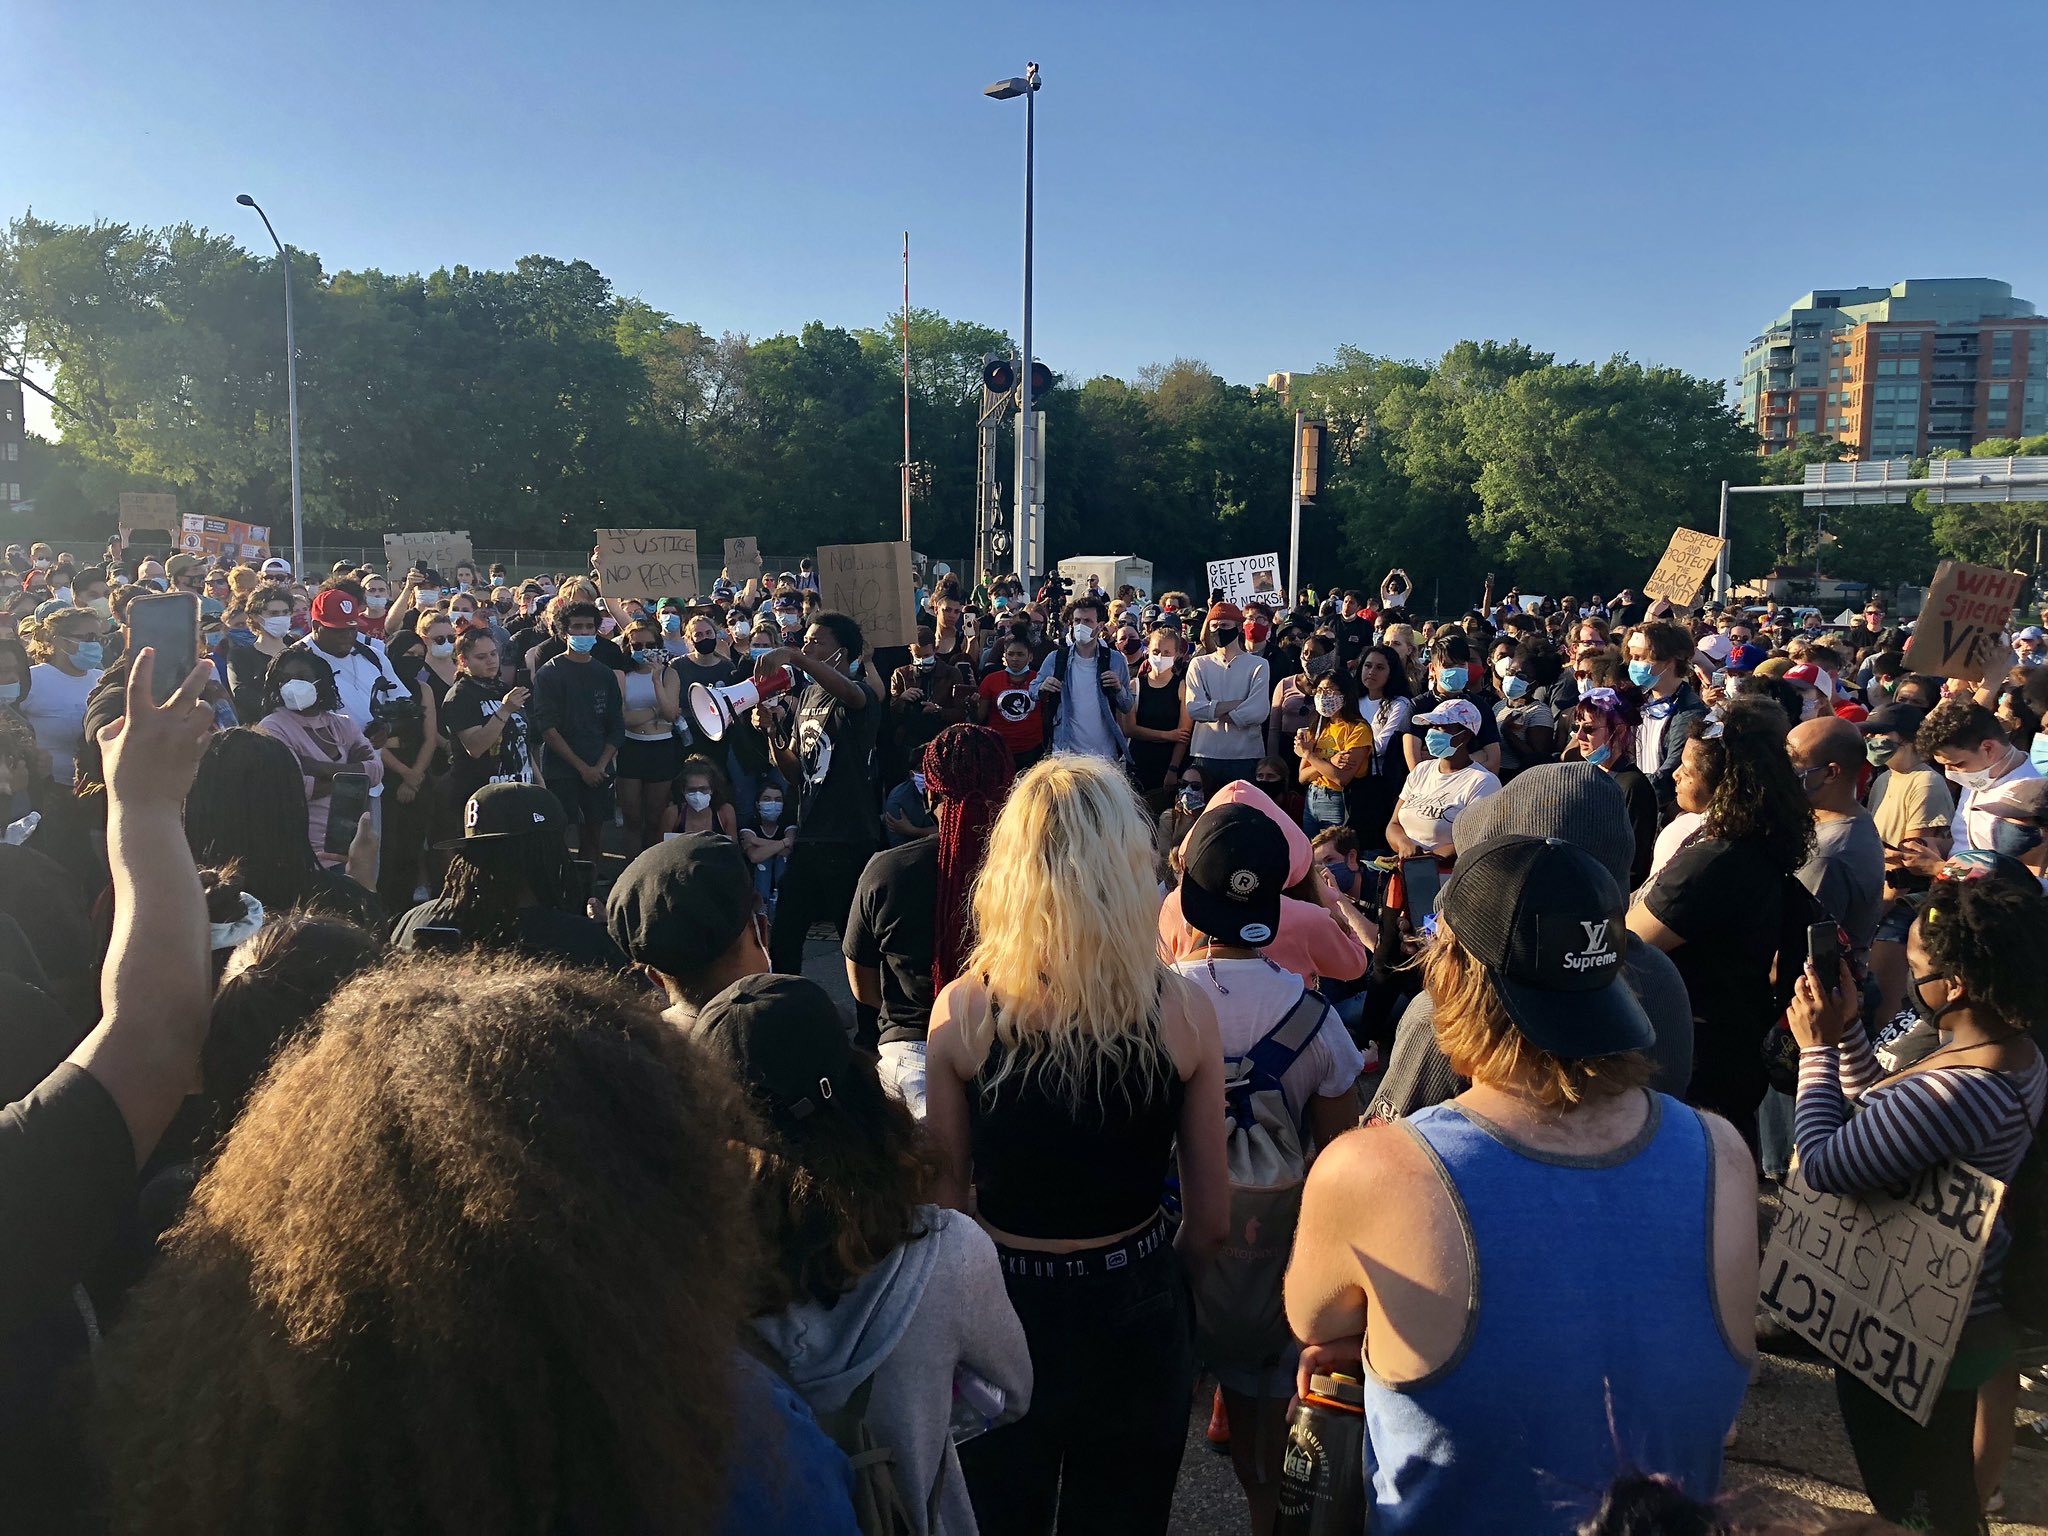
column 1799, row 910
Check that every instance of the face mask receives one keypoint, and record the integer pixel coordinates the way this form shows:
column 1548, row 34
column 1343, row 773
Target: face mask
column 277, row 625
column 376, row 602
column 441, row 649
column 924, row 663
column 1502, row 666
column 1454, row 679
column 103, row 606
column 42, row 565
column 426, row 597
column 1190, row 799
column 1344, row 875
column 704, row 647
column 1317, row 666
column 1877, row 751
column 158, row 583
column 299, row 694
column 463, row 615
column 741, row 629
column 1255, row 634
column 462, row 587
column 62, row 594
column 672, row 622
column 1224, row 636
column 697, row 799
column 769, row 809
column 10, row 693
column 607, row 625
column 917, row 779
column 1160, row 666
column 1328, row 704
column 1931, row 1017
column 582, row 645
column 2037, row 754
column 1974, row 780
column 1642, row 673
column 758, row 651
column 1515, row 687
column 1083, row 633
column 1601, row 755
column 1439, row 743
column 647, row 655
column 1015, row 671
column 2014, row 837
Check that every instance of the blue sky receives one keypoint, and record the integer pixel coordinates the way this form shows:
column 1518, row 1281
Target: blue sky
column 1247, row 184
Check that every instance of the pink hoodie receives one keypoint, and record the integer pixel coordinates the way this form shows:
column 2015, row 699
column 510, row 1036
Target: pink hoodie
column 1311, row 943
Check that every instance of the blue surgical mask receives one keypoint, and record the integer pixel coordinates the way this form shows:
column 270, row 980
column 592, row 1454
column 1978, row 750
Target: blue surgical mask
column 1345, row 876
column 1514, row 685
column 582, row 645
column 672, row 622
column 1601, row 755
column 1642, row 673
column 2014, row 838
column 2037, row 754
column 650, row 656
column 1439, row 742
column 1454, row 679
column 758, row 651
column 770, row 809
column 87, row 654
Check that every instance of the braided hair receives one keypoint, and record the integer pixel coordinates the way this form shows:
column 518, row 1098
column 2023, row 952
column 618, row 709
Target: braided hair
column 969, row 769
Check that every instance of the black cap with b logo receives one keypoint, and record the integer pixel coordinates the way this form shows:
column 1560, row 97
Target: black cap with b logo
column 1550, row 925
column 499, row 811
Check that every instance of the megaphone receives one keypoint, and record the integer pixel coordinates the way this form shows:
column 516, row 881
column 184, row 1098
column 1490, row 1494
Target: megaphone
column 713, row 710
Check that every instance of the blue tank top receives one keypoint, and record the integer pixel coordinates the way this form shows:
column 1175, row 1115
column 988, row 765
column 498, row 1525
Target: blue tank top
column 1592, row 1344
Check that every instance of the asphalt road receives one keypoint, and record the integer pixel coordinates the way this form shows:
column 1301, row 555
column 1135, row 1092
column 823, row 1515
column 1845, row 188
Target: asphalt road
column 1790, row 1455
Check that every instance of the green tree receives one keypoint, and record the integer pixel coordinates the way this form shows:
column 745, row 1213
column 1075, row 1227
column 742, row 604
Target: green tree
column 1996, row 533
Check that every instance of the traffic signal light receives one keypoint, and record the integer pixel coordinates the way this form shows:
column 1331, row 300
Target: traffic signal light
column 998, row 375
column 1041, row 380
column 1314, row 458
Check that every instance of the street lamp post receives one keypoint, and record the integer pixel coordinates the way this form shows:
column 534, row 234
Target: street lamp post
column 291, row 386
column 1025, row 532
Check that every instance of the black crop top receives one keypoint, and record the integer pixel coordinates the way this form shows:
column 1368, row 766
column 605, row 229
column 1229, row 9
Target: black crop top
column 1044, row 1169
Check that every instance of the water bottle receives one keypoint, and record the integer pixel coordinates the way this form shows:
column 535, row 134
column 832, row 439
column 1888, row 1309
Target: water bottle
column 1322, row 1474
column 977, row 1404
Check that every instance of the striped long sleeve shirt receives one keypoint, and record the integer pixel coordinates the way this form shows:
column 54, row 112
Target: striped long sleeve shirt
column 1985, row 1118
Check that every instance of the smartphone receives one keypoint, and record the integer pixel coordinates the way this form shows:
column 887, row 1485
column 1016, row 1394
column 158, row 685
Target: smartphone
column 170, row 625
column 1419, row 879
column 347, row 799
column 584, row 882
column 1824, row 954
column 425, row 938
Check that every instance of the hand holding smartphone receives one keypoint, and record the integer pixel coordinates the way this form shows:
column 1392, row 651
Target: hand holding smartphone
column 169, row 625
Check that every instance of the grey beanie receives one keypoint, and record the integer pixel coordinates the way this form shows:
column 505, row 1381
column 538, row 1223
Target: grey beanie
column 1574, row 802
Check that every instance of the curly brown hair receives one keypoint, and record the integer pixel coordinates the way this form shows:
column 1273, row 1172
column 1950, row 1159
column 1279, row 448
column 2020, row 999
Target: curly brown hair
column 473, row 1259
column 1754, row 793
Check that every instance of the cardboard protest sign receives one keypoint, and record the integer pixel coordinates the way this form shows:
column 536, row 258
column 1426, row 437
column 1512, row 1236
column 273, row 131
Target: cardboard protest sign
column 1967, row 607
column 647, row 563
column 1688, row 560
column 436, row 551
column 742, row 558
column 156, row 510
column 872, row 583
column 1247, row 578
column 213, row 536
column 1881, row 1284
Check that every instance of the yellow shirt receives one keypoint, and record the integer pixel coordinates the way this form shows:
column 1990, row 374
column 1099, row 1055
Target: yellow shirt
column 1334, row 736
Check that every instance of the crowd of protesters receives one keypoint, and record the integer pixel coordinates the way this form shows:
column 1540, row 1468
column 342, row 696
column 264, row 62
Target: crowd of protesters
column 1239, row 993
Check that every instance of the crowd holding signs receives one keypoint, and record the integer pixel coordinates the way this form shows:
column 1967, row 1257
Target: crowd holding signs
column 1618, row 909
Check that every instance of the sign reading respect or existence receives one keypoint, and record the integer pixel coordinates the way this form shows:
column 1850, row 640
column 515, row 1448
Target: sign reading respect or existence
column 872, row 582
column 149, row 509
column 1688, row 559
column 1966, row 609
column 742, row 558
column 1881, row 1284
column 647, row 563
column 1247, row 578
column 433, row 551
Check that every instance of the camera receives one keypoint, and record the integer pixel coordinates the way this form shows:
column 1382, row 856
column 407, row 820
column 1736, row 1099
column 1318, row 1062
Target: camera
column 389, row 707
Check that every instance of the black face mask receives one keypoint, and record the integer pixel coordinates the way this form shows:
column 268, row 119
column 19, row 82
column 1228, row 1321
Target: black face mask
column 704, row 647
column 1931, row 1017
column 1224, row 636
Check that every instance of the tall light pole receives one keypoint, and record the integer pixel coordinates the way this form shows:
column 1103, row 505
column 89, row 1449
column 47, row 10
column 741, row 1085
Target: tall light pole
column 291, row 387
column 1026, row 544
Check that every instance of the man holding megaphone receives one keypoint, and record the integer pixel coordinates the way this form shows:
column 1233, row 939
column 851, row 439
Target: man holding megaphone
column 820, row 725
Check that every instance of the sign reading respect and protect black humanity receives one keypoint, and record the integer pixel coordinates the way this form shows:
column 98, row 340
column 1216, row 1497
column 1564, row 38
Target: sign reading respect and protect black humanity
column 647, row 563
column 1687, row 559
column 1881, row 1284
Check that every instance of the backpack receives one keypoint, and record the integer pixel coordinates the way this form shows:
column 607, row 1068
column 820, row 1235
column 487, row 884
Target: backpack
column 1239, row 1318
column 879, row 1508
column 1799, row 910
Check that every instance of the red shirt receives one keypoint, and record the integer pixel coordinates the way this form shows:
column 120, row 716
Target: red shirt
column 1012, row 713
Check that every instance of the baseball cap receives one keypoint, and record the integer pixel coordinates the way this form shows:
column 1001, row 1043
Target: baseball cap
column 1233, row 869
column 500, row 811
column 1225, row 613
column 1453, row 712
column 276, row 567
column 679, row 905
column 1716, row 648
column 2031, row 632
column 334, row 609
column 1904, row 719
column 1746, row 658
column 2026, row 800
column 178, row 565
column 1550, row 925
column 783, row 1039
column 1806, row 674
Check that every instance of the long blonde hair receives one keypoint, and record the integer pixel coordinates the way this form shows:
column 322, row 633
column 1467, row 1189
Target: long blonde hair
column 1066, row 911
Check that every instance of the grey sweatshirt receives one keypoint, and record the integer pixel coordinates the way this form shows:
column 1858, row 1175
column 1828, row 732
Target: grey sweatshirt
column 936, row 1304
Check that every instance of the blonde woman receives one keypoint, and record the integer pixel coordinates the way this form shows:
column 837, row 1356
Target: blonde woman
column 1065, row 1064
column 1400, row 639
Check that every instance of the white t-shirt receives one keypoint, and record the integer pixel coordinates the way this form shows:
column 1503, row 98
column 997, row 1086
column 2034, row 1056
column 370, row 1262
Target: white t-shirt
column 356, row 675
column 1973, row 828
column 1250, row 997
column 55, row 706
column 1431, row 800
column 1670, row 840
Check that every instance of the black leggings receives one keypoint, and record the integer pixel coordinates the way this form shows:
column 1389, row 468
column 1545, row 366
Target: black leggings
column 817, row 885
column 1923, row 1479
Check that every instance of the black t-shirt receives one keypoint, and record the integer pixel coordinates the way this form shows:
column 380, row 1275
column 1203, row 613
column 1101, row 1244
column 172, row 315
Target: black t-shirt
column 1353, row 638
column 1725, row 900
column 891, row 927
column 542, row 933
column 67, row 1179
column 835, row 749
column 583, row 701
column 470, row 703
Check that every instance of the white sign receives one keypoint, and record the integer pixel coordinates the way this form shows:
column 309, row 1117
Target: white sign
column 1247, row 579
